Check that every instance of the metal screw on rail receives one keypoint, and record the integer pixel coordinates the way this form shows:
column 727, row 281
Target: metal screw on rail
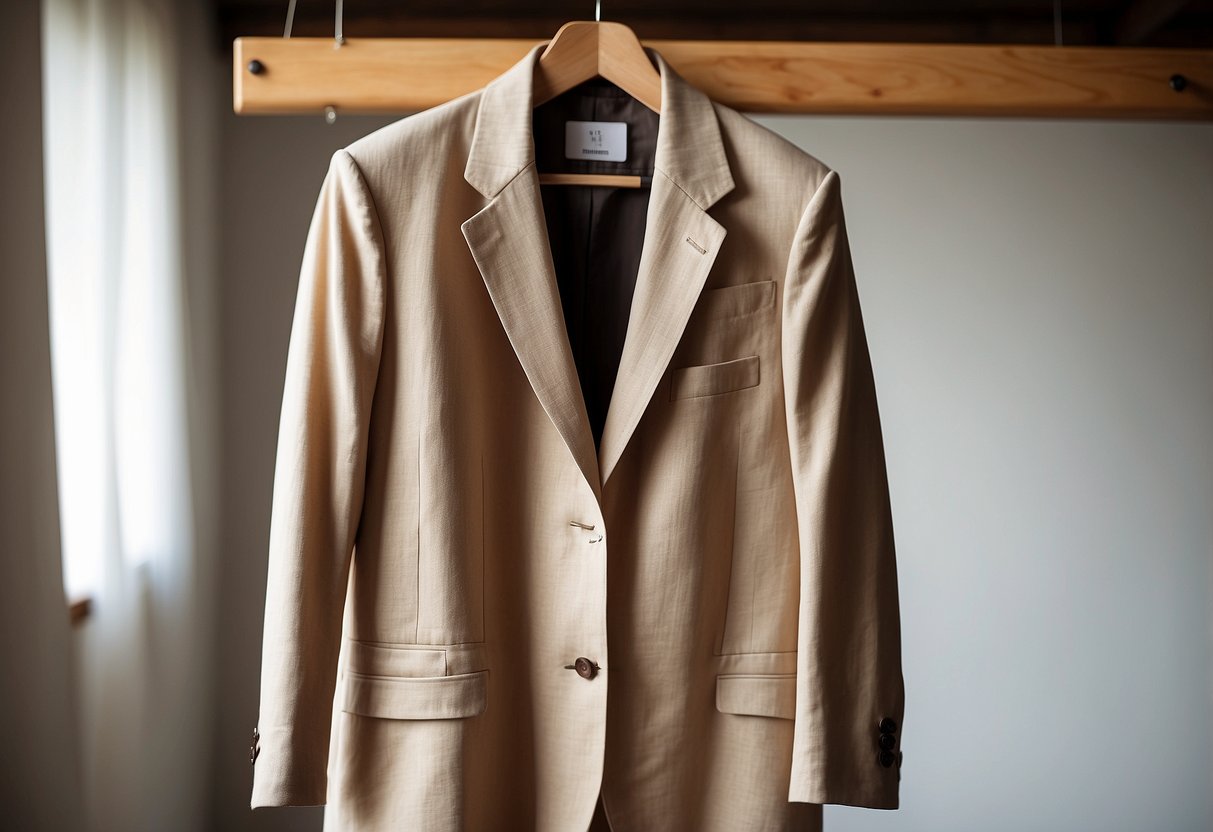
column 330, row 112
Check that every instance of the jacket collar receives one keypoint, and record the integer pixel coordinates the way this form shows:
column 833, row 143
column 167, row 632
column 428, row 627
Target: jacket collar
column 509, row 242
column 502, row 144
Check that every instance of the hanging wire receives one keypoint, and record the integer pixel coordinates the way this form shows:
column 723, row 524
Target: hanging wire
column 337, row 35
column 330, row 112
column 1057, row 22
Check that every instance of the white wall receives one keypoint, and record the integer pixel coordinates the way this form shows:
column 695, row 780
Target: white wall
column 1039, row 303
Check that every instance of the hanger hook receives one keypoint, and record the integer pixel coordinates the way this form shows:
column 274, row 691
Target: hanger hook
column 598, row 11
column 290, row 19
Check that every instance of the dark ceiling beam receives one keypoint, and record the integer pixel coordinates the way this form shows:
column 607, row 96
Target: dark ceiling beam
column 1160, row 23
column 1143, row 18
column 1009, row 30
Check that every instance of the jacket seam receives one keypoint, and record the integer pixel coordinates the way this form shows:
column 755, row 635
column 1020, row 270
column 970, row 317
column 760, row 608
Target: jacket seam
column 372, row 204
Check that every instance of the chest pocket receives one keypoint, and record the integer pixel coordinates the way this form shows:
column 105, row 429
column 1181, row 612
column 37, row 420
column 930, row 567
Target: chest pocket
column 713, row 379
column 733, row 301
column 726, row 335
column 730, row 322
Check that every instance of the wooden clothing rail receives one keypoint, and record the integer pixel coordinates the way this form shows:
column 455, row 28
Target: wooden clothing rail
column 403, row 75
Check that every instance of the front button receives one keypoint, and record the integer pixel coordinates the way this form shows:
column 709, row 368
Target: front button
column 585, row 668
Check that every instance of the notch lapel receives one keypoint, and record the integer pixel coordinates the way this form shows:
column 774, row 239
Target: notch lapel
column 680, row 244
column 509, row 241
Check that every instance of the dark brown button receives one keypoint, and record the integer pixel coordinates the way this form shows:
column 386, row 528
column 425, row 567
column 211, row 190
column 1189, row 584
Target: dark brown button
column 886, row 758
column 888, row 725
column 585, row 668
column 887, row 741
column 899, row 759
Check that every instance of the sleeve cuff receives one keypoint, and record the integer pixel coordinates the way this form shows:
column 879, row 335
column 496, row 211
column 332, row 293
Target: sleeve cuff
column 282, row 776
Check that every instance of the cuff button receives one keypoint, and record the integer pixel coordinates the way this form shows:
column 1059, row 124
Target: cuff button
column 255, row 748
column 888, row 725
column 886, row 758
column 887, row 741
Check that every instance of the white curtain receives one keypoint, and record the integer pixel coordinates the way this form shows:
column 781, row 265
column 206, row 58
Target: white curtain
column 120, row 366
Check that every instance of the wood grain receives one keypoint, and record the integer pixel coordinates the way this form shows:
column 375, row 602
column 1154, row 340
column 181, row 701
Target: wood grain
column 404, row 75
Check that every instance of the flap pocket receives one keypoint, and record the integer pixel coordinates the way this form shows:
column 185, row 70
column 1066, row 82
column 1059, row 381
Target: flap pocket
column 710, row 379
column 376, row 658
column 738, row 299
column 415, row 697
column 770, row 694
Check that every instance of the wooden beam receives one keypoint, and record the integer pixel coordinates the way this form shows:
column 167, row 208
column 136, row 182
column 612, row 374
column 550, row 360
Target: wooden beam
column 402, row 75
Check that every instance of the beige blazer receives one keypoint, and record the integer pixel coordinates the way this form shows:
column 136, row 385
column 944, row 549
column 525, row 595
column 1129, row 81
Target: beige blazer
column 580, row 511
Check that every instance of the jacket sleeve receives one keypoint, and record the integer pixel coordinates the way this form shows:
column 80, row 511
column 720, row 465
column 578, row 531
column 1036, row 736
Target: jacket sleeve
column 849, row 677
column 332, row 363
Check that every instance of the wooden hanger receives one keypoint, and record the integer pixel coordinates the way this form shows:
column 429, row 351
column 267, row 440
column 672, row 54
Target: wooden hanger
column 584, row 49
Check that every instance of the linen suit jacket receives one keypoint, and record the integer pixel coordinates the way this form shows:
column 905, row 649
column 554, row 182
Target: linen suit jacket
column 580, row 510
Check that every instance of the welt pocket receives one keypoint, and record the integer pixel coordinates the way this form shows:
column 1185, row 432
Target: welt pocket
column 735, row 300
column 710, row 379
column 757, row 694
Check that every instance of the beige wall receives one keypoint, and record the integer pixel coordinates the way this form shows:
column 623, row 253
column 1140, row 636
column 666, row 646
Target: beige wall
column 1038, row 298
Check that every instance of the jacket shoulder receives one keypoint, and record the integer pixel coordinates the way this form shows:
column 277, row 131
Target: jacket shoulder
column 432, row 142
column 765, row 161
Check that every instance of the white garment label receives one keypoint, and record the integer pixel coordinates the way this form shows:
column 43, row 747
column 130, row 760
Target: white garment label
column 606, row 141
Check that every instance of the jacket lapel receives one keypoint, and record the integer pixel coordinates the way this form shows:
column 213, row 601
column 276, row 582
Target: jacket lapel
column 680, row 244
column 509, row 241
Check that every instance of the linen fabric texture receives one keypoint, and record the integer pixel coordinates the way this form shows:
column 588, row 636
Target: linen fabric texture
column 527, row 424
